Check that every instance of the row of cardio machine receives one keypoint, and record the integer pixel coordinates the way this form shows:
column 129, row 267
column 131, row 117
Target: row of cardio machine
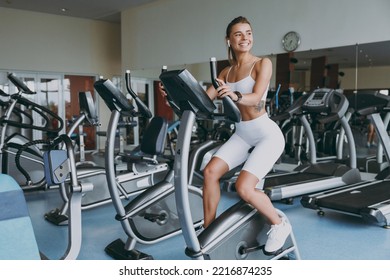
column 336, row 184
column 81, row 186
column 151, row 217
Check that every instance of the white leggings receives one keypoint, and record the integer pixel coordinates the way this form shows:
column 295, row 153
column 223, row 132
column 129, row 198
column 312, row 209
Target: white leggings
column 267, row 139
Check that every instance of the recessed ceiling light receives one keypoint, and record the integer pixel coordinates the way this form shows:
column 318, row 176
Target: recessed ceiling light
column 64, row 10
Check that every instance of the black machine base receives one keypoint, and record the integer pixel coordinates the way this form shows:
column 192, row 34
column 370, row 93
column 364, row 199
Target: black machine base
column 55, row 217
column 117, row 251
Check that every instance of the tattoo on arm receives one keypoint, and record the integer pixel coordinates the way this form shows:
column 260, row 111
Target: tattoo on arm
column 260, row 105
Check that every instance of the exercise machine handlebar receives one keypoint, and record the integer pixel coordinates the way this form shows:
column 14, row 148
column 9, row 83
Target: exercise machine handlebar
column 143, row 110
column 41, row 110
column 230, row 109
column 19, row 84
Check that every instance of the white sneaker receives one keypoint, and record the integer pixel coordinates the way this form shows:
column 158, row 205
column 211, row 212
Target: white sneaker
column 277, row 236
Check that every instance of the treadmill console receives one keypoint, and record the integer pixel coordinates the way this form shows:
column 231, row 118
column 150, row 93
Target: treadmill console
column 318, row 100
column 326, row 102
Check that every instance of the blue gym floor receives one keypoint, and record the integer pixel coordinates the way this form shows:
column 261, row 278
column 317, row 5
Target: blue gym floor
column 335, row 236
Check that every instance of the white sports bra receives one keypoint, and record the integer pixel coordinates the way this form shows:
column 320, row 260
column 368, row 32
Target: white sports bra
column 245, row 85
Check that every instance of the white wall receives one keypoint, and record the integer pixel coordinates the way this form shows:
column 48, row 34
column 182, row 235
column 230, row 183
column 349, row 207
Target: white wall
column 174, row 32
column 47, row 43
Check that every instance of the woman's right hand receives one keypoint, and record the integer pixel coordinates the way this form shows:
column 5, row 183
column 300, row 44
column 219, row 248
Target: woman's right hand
column 225, row 90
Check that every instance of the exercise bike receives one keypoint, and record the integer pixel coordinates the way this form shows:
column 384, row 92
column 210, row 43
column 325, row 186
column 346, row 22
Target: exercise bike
column 151, row 216
column 240, row 231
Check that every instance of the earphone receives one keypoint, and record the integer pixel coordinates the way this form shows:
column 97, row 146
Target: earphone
column 228, row 43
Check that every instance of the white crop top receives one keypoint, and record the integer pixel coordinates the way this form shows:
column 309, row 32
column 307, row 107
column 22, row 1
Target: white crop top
column 245, row 85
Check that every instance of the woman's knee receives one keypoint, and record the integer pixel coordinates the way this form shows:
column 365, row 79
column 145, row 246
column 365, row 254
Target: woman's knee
column 209, row 171
column 243, row 191
column 215, row 169
column 245, row 185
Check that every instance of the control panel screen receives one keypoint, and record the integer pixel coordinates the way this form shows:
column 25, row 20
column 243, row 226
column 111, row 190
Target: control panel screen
column 318, row 96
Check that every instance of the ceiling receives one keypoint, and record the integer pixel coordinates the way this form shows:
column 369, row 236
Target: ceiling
column 374, row 54
column 106, row 10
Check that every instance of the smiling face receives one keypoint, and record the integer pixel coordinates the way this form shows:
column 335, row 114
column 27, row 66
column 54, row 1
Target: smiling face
column 240, row 37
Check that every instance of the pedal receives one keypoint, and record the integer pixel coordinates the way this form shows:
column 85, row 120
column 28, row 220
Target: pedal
column 55, row 217
column 155, row 217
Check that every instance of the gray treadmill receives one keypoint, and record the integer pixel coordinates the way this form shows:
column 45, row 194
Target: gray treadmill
column 369, row 200
column 324, row 105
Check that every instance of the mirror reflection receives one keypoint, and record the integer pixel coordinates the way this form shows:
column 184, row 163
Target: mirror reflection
column 351, row 69
column 354, row 67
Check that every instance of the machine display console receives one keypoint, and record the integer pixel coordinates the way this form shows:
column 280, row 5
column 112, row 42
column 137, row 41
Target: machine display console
column 317, row 98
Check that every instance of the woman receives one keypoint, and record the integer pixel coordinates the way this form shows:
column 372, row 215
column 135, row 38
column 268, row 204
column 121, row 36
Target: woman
column 246, row 82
